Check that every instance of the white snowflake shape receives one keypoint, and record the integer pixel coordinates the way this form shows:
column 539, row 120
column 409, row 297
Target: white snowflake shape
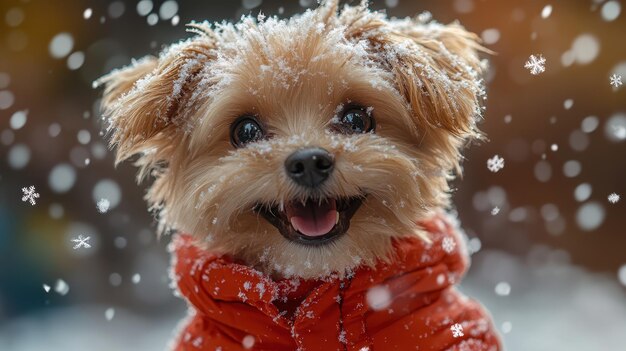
column 616, row 81
column 81, row 241
column 536, row 64
column 495, row 163
column 613, row 198
column 103, row 205
column 448, row 244
column 495, row 211
column 457, row 330
column 342, row 337
column 30, row 195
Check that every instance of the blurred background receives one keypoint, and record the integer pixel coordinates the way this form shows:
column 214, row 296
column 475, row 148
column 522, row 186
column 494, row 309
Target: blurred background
column 547, row 231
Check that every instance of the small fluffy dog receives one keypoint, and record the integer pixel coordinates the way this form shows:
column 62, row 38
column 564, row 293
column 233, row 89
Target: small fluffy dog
column 304, row 164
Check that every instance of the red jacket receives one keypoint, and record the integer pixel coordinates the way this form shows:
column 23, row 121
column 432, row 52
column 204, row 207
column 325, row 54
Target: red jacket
column 415, row 305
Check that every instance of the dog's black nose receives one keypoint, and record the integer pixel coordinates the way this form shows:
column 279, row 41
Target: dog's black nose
column 309, row 167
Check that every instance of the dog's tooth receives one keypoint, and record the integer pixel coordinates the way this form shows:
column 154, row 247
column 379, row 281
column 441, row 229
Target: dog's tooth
column 293, row 224
column 337, row 217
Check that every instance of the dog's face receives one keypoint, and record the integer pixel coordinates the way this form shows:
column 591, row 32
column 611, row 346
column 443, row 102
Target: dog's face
column 302, row 146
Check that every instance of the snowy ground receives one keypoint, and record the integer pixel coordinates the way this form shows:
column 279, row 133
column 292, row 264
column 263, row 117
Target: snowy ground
column 83, row 328
column 551, row 306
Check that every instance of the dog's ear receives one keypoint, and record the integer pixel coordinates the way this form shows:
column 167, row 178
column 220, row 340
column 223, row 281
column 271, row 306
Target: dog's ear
column 440, row 75
column 121, row 81
column 435, row 67
column 148, row 103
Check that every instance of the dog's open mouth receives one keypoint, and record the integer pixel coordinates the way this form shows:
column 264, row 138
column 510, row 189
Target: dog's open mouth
column 313, row 222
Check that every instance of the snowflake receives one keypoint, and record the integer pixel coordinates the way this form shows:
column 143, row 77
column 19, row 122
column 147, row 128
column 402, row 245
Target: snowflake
column 197, row 342
column 448, row 245
column 248, row 342
column 616, row 81
column 61, row 287
column 613, row 198
column 495, row 211
column 81, row 241
column 103, row 205
column 503, row 289
column 30, row 195
column 536, row 64
column 619, row 132
column 109, row 313
column 495, row 163
column 342, row 337
column 378, row 297
column 457, row 330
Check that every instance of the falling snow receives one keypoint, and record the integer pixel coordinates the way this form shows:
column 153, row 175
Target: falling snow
column 248, row 342
column 448, row 244
column 103, row 205
column 197, row 342
column 546, row 12
column 81, row 241
column 378, row 297
column 457, row 330
column 619, row 132
column 87, row 13
column 495, row 163
column 30, row 195
column 616, row 81
column 343, row 337
column 61, row 287
column 109, row 313
column 502, row 289
column 536, row 64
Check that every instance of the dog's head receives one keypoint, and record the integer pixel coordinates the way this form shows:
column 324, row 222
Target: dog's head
column 301, row 146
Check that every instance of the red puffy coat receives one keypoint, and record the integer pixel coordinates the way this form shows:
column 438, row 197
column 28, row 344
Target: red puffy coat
column 415, row 305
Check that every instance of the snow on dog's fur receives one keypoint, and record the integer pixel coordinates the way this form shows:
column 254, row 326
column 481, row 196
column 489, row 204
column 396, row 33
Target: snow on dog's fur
column 418, row 79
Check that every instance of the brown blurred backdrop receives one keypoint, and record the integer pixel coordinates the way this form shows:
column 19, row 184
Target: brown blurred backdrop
column 561, row 134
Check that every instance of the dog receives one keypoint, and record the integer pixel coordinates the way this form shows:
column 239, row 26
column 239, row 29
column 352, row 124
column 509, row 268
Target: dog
column 304, row 165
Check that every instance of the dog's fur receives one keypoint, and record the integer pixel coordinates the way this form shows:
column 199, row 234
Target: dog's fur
column 421, row 80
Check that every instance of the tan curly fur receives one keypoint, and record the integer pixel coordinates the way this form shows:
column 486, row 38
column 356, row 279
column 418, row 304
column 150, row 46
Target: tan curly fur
column 421, row 80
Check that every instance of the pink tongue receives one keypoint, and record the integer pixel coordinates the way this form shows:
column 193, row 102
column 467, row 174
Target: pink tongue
column 313, row 219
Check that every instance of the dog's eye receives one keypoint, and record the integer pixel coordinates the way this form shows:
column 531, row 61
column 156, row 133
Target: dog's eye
column 356, row 120
column 245, row 130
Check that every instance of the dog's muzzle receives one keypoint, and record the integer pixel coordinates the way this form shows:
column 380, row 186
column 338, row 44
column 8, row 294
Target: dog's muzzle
column 312, row 221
